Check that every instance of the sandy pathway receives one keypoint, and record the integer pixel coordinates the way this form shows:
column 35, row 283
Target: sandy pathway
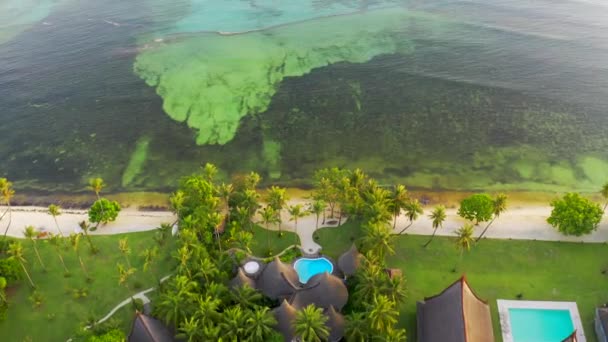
column 128, row 221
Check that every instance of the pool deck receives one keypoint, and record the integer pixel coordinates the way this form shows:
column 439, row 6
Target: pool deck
column 505, row 321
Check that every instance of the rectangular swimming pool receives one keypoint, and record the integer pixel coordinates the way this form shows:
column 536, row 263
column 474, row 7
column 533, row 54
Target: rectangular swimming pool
column 540, row 325
column 539, row 321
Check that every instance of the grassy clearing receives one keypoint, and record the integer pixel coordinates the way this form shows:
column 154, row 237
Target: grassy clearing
column 61, row 314
column 263, row 238
column 496, row 269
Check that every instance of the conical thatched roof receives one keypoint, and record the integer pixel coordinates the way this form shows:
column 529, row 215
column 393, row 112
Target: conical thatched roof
column 148, row 329
column 278, row 280
column 285, row 316
column 350, row 261
column 241, row 279
column 325, row 290
column 335, row 323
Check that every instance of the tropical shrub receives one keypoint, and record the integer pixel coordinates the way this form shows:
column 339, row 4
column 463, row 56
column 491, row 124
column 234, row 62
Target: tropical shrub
column 104, row 211
column 477, row 208
column 575, row 215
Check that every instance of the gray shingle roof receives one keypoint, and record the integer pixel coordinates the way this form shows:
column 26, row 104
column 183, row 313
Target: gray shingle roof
column 241, row 279
column 335, row 323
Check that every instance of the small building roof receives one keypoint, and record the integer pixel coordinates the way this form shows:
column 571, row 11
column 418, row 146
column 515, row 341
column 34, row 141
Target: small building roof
column 455, row 315
column 241, row 279
column 278, row 280
column 602, row 315
column 335, row 323
column 285, row 316
column 148, row 329
column 325, row 290
column 350, row 261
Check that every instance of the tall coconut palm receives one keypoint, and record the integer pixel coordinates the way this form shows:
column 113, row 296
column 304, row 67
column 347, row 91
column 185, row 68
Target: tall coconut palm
column 123, row 246
column 378, row 240
column 96, row 185
column 499, row 205
column 317, row 207
column 377, row 207
column 260, row 325
column 7, row 193
column 31, row 234
column 268, row 216
column 604, row 193
column 246, row 297
column 382, row 314
column 437, row 217
column 57, row 242
column 413, row 210
column 355, row 329
column 190, row 330
column 296, row 212
column 150, row 255
column 85, row 226
column 464, row 238
column 209, row 171
column 276, row 198
column 233, row 323
column 309, row 324
column 15, row 250
column 176, row 201
column 225, row 191
column 75, row 242
column 207, row 309
column 251, row 202
column 55, row 210
column 398, row 201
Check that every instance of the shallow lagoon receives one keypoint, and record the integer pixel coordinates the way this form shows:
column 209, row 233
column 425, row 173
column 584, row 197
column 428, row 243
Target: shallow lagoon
column 445, row 96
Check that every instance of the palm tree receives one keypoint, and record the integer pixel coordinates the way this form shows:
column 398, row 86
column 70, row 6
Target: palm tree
column 123, row 246
column 500, row 205
column 437, row 216
column 190, row 330
column 75, row 242
column 216, row 220
column 277, row 199
column 369, row 282
column 225, row 191
column 604, row 193
column 57, row 242
column 377, row 207
column 85, row 226
column 399, row 200
column 96, row 184
column 177, row 200
column 209, row 171
column 7, row 192
column 233, row 323
column 207, row 309
column 55, row 210
column 149, row 255
column 246, row 297
column 378, row 240
column 464, row 239
column 413, row 209
column 260, row 325
column 268, row 216
column 251, row 202
column 124, row 273
column 15, row 250
column 394, row 288
column 355, row 331
column 295, row 212
column 30, row 234
column 309, row 324
column 317, row 207
column 382, row 314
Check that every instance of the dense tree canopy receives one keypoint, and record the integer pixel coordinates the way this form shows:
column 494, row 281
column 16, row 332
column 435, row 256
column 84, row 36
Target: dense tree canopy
column 104, row 211
column 477, row 208
column 575, row 215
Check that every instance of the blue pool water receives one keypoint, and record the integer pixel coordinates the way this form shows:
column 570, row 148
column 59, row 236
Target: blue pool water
column 540, row 325
column 307, row 268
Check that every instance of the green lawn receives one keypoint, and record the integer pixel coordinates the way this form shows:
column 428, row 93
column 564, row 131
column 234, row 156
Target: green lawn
column 496, row 269
column 34, row 324
column 263, row 238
